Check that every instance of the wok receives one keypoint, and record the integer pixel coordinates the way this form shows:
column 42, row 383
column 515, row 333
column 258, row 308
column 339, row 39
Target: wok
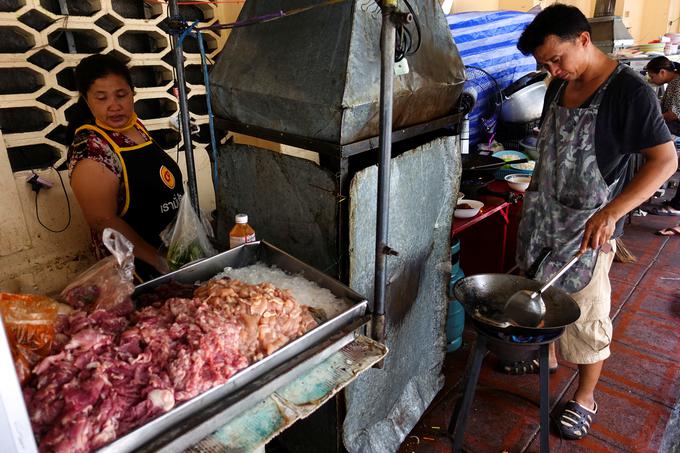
column 484, row 296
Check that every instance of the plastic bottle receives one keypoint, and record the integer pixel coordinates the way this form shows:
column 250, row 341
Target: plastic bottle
column 242, row 233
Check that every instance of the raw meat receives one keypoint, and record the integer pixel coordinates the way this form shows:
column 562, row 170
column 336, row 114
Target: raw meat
column 113, row 370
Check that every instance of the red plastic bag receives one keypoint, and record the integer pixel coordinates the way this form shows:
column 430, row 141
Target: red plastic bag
column 30, row 325
column 108, row 282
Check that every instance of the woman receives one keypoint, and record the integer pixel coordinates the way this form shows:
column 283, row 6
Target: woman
column 663, row 71
column 120, row 176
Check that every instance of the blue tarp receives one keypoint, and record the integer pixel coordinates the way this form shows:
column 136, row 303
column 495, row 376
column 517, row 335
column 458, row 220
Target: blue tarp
column 489, row 40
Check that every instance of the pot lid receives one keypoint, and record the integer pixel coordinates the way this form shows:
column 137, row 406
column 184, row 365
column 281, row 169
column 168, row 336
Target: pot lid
column 524, row 81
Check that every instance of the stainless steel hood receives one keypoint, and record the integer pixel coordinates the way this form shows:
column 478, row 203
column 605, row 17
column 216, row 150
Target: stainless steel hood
column 317, row 74
column 609, row 33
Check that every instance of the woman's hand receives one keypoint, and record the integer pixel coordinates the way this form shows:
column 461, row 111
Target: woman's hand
column 161, row 264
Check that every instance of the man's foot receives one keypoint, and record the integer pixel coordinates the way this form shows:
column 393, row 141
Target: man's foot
column 576, row 420
column 672, row 231
column 525, row 367
column 664, row 211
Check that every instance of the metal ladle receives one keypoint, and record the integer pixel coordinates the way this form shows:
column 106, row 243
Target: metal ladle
column 526, row 308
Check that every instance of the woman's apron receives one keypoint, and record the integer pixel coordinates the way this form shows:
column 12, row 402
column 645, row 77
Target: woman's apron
column 566, row 190
column 153, row 189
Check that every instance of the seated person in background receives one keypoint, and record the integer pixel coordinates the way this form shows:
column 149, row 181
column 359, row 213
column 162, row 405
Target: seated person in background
column 663, row 71
column 120, row 176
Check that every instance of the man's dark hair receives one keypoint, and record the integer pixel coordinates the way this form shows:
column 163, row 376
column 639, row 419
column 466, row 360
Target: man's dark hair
column 564, row 21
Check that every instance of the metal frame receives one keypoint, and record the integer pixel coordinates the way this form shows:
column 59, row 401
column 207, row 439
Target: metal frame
column 457, row 423
column 173, row 12
column 194, row 419
column 335, row 149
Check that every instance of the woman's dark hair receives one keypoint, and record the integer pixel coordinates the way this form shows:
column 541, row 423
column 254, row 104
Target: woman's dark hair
column 88, row 70
column 655, row 65
column 564, row 21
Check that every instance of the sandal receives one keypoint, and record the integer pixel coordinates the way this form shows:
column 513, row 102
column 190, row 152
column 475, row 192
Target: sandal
column 523, row 367
column 672, row 231
column 663, row 211
column 575, row 421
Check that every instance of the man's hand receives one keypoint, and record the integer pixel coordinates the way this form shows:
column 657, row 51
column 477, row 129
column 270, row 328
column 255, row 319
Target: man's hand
column 599, row 230
column 660, row 163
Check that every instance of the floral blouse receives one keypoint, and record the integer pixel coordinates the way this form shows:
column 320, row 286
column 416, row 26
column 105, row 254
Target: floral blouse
column 88, row 144
column 671, row 98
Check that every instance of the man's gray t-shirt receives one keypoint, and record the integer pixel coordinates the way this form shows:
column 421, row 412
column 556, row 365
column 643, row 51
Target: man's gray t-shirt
column 628, row 121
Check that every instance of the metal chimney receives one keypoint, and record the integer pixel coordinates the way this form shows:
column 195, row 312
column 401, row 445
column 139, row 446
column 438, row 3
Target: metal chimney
column 608, row 31
column 604, row 8
column 316, row 74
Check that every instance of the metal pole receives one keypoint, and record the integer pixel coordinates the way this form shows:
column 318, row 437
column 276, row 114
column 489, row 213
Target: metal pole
column 544, row 386
column 387, row 42
column 173, row 12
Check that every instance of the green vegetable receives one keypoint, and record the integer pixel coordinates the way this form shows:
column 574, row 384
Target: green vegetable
column 181, row 254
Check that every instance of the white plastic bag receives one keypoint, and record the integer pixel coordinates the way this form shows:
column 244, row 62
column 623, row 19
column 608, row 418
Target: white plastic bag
column 187, row 237
column 109, row 281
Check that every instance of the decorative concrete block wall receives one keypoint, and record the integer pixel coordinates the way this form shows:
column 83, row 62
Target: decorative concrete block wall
column 39, row 47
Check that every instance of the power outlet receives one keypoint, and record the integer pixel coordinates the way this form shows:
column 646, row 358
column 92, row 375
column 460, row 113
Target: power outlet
column 401, row 67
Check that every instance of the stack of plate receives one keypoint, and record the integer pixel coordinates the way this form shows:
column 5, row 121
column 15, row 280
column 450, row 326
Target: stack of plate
column 651, row 48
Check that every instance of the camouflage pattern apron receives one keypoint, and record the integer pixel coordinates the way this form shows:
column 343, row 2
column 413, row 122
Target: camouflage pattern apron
column 566, row 189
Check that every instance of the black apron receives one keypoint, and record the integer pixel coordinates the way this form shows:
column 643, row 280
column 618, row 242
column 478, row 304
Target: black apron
column 153, row 190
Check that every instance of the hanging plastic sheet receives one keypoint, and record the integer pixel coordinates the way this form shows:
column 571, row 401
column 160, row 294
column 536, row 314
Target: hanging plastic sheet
column 488, row 40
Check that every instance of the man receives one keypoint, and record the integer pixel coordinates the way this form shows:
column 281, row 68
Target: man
column 596, row 114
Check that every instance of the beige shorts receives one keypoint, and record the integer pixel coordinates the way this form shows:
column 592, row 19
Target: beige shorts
column 587, row 340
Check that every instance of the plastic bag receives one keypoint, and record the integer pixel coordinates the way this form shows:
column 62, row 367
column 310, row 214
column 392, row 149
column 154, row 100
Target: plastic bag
column 30, row 325
column 187, row 237
column 108, row 282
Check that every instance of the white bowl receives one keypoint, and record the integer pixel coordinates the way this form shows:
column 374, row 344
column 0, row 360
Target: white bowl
column 461, row 213
column 518, row 182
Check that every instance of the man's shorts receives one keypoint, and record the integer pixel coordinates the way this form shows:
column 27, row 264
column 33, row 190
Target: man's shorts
column 587, row 340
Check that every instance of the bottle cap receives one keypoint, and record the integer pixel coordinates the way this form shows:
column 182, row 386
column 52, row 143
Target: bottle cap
column 241, row 218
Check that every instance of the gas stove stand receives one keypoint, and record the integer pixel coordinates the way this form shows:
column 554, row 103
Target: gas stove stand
column 491, row 340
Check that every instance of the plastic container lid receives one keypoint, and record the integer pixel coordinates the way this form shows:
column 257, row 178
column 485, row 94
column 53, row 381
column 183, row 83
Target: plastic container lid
column 241, row 218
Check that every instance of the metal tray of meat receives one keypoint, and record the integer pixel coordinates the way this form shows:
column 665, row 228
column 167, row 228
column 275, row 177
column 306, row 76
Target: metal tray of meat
column 198, row 417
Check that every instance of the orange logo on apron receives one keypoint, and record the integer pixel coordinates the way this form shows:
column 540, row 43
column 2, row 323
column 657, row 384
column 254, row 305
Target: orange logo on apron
column 167, row 177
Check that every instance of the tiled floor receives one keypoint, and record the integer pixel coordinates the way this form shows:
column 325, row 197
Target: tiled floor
column 640, row 383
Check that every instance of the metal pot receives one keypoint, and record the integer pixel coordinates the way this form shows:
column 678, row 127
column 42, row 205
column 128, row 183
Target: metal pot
column 523, row 99
column 484, row 296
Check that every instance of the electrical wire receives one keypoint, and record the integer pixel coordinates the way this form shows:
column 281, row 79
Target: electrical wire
column 193, row 32
column 194, row 2
column 417, row 24
column 270, row 17
column 62, row 29
column 211, row 123
column 68, row 204
column 404, row 41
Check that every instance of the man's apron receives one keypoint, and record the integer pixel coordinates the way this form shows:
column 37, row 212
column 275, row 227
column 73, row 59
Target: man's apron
column 567, row 189
column 153, row 187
